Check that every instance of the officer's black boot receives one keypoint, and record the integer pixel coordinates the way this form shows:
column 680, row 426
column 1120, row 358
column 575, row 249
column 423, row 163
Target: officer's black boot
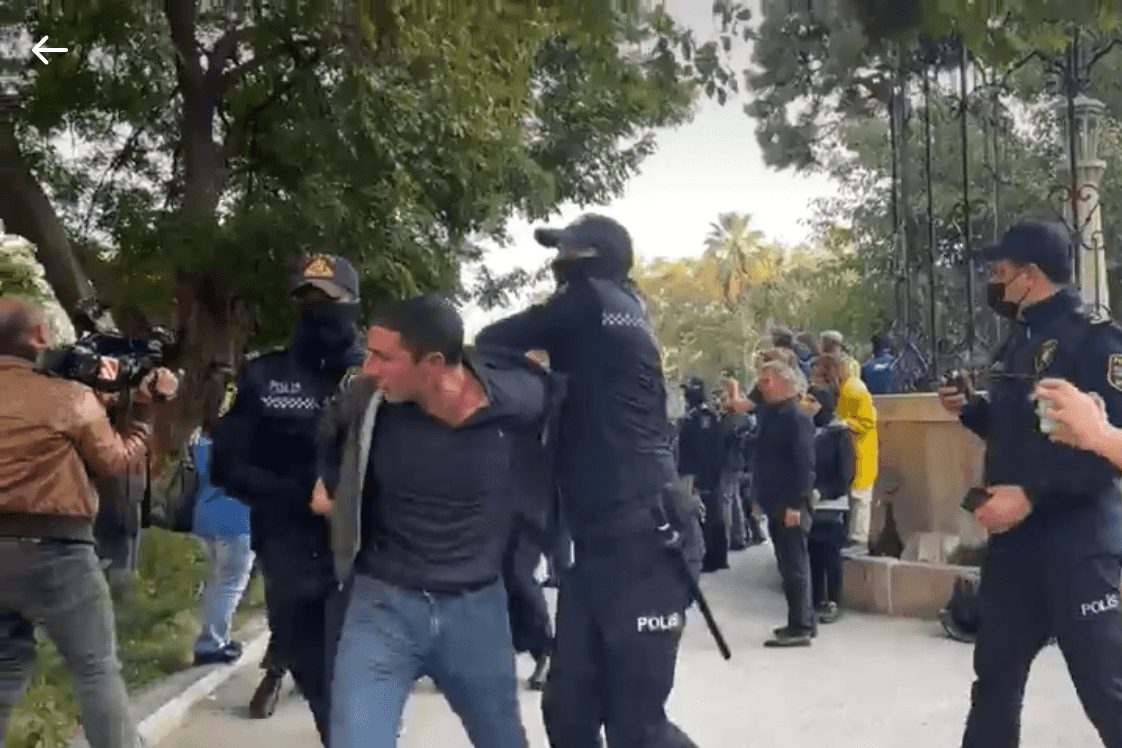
column 265, row 698
column 537, row 679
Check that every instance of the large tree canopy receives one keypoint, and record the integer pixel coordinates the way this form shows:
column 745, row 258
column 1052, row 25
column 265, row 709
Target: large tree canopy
column 181, row 157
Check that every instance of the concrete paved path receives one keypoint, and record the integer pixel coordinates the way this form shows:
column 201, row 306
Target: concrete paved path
column 868, row 682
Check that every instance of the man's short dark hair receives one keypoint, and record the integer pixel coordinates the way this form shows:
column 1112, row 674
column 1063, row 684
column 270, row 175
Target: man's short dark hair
column 427, row 324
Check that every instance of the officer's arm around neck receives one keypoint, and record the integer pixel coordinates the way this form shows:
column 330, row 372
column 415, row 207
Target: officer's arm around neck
column 541, row 326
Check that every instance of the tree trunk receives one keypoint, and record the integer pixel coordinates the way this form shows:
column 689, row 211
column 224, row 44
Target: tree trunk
column 26, row 210
column 215, row 326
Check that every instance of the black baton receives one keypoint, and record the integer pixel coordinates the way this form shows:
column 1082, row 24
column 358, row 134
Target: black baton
column 674, row 545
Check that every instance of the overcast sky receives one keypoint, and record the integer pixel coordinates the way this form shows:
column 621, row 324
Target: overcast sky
column 707, row 167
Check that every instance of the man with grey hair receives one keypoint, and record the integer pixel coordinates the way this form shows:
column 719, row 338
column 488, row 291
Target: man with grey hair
column 831, row 341
column 784, row 472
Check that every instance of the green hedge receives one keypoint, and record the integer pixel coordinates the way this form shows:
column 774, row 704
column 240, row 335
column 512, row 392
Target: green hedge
column 157, row 621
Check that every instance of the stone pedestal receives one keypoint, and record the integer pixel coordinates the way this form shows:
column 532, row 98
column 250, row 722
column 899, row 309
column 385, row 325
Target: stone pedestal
column 928, row 460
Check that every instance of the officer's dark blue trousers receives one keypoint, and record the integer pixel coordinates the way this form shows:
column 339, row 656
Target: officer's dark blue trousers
column 531, row 625
column 620, row 614
column 1029, row 594
column 715, row 529
column 298, row 604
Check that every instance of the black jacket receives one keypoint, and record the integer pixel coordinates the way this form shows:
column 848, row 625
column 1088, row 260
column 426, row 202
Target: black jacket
column 614, row 454
column 702, row 446
column 265, row 449
column 784, row 456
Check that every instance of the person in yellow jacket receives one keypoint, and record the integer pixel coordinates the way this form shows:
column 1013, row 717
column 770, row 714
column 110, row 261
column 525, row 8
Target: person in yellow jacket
column 855, row 407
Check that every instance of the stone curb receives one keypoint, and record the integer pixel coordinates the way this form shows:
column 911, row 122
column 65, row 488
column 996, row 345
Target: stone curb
column 165, row 706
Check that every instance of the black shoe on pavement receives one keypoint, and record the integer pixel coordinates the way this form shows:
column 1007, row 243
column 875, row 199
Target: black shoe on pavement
column 779, row 631
column 537, row 680
column 265, row 698
column 229, row 653
column 829, row 613
column 789, row 638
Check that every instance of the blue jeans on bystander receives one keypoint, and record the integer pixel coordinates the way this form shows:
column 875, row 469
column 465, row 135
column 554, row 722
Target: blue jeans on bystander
column 231, row 561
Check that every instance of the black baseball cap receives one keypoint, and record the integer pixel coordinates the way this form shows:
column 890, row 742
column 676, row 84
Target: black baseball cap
column 1046, row 244
column 333, row 275
column 607, row 237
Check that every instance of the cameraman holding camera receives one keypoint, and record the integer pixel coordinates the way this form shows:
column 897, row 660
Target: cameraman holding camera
column 50, row 430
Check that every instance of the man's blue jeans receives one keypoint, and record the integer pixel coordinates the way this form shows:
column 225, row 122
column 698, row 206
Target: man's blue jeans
column 231, row 561
column 392, row 636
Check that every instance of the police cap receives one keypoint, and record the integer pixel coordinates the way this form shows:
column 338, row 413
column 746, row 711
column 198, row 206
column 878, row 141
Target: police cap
column 609, row 240
column 1045, row 244
column 333, row 275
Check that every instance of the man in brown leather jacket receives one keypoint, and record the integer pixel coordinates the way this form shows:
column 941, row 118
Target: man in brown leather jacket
column 50, row 430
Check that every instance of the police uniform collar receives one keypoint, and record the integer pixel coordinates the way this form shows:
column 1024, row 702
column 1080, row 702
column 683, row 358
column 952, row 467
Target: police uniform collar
column 1064, row 300
column 473, row 363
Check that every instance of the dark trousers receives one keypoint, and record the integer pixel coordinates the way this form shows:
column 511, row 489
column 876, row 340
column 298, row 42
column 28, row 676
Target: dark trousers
column 62, row 587
column 297, row 601
column 824, row 546
column 1029, row 595
column 715, row 530
column 531, row 625
column 793, row 558
column 620, row 615
column 752, row 526
column 738, row 532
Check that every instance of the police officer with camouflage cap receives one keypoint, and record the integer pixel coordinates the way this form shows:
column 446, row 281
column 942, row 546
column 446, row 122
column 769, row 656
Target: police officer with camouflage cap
column 622, row 604
column 1054, row 557
column 264, row 454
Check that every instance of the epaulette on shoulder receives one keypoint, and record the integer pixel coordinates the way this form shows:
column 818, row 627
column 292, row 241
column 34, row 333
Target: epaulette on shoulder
column 267, row 353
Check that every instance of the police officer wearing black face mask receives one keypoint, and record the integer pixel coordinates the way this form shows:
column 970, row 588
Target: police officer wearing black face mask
column 702, row 450
column 622, row 605
column 264, row 454
column 1054, row 558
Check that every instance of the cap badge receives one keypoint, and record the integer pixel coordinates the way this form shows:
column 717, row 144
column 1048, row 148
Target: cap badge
column 319, row 266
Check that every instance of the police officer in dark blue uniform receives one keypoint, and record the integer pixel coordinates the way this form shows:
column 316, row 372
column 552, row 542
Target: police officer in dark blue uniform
column 702, row 453
column 265, row 455
column 1054, row 559
column 622, row 604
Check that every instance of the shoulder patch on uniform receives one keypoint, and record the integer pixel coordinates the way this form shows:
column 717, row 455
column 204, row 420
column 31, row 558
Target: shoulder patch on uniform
column 1114, row 371
column 1045, row 355
column 255, row 355
column 228, row 398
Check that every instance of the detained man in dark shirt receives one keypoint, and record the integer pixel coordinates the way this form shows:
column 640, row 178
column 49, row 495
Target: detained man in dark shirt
column 785, row 486
column 436, row 511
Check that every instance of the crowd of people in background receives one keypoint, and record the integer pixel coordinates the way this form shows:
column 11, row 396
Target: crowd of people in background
column 794, row 461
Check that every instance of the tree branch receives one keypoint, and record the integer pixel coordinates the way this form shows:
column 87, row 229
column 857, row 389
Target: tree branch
column 221, row 52
column 234, row 135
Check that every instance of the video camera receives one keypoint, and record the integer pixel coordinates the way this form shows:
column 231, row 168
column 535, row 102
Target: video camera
column 136, row 356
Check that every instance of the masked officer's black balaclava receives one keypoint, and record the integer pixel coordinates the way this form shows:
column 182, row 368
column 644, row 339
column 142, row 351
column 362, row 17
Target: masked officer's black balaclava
column 593, row 246
column 695, row 393
column 829, row 402
column 327, row 334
